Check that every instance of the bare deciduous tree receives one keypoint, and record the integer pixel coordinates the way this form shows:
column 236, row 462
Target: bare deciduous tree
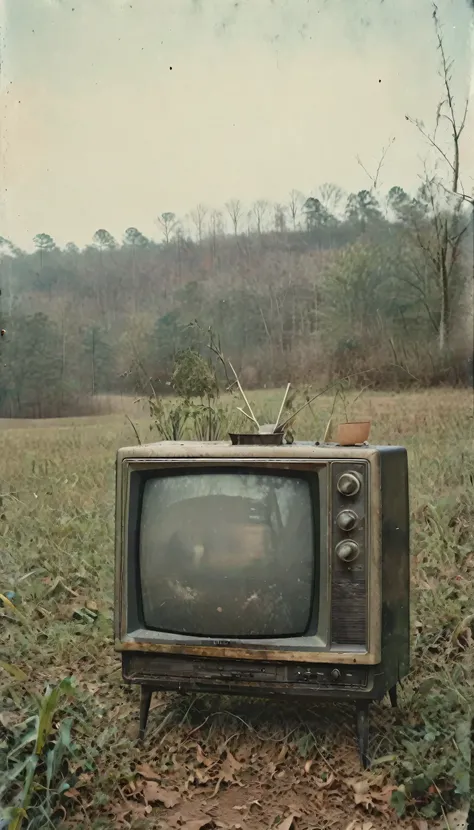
column 216, row 229
column 441, row 250
column 259, row 210
column 295, row 206
column 280, row 218
column 234, row 209
column 330, row 195
column 198, row 216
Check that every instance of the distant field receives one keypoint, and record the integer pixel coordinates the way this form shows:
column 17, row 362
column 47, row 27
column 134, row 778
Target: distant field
column 405, row 410
column 56, row 529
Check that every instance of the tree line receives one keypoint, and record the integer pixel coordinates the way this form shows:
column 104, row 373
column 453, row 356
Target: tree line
column 324, row 285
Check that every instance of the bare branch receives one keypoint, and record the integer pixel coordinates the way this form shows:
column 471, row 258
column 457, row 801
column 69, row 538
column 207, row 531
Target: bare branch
column 375, row 179
column 431, row 140
column 423, row 300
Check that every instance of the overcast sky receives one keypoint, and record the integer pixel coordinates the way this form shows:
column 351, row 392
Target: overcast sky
column 114, row 112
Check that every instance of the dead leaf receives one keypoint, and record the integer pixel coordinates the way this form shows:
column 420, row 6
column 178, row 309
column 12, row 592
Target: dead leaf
column 72, row 793
column 282, row 754
column 286, row 823
column 201, row 758
column 13, row 671
column 91, row 605
column 308, row 766
column 228, row 771
column 147, row 772
column 420, row 824
column 123, row 812
column 385, row 794
column 324, row 785
column 360, row 787
column 362, row 795
column 367, row 793
column 243, row 808
column 200, row 776
column 152, row 793
column 8, row 719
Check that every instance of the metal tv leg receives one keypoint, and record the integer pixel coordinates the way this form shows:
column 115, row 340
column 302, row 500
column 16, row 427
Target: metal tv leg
column 392, row 693
column 362, row 712
column 145, row 700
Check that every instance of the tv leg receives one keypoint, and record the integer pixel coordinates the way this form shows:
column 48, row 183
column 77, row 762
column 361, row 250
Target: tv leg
column 145, row 700
column 362, row 712
column 392, row 693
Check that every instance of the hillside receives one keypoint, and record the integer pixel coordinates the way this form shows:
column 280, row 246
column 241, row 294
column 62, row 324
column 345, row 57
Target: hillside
column 331, row 285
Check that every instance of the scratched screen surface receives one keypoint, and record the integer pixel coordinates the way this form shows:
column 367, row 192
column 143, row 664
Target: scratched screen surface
column 228, row 554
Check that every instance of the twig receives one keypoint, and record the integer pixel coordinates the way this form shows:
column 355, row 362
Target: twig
column 375, row 179
column 361, row 393
column 281, row 407
column 134, row 429
column 243, row 393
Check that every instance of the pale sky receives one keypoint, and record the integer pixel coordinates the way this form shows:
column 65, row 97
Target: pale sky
column 263, row 96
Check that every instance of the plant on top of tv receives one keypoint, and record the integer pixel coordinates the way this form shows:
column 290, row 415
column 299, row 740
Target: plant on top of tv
column 198, row 410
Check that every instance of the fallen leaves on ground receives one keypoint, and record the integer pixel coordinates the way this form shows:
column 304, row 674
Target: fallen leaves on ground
column 372, row 793
column 153, row 794
column 228, row 771
column 287, row 823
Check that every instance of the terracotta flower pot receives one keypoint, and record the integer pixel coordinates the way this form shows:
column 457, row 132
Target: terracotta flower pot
column 353, row 433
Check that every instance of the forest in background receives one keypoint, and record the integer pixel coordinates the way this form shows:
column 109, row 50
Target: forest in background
column 319, row 288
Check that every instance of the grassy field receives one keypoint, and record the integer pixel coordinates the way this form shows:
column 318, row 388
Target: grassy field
column 213, row 762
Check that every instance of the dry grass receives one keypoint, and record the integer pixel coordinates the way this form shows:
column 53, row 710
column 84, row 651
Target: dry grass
column 226, row 763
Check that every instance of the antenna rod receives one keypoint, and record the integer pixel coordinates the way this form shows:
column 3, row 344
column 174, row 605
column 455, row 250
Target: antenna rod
column 243, row 394
column 281, row 407
column 239, row 409
column 318, row 395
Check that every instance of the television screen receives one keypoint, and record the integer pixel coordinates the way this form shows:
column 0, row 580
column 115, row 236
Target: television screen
column 229, row 554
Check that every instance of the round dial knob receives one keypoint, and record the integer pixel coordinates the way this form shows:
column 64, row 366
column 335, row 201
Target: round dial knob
column 347, row 520
column 347, row 551
column 335, row 674
column 349, row 484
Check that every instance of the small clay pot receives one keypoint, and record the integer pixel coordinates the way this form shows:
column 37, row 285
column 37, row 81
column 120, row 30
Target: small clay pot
column 357, row 432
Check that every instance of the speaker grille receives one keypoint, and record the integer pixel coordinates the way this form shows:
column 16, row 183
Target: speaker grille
column 349, row 612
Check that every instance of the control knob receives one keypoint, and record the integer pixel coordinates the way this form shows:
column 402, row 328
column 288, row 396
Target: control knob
column 335, row 675
column 347, row 551
column 349, row 484
column 347, row 520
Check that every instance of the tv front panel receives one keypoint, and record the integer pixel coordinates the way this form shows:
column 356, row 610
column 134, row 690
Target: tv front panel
column 321, row 532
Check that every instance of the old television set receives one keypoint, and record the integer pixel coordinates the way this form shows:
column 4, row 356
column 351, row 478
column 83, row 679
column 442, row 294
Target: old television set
column 269, row 570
